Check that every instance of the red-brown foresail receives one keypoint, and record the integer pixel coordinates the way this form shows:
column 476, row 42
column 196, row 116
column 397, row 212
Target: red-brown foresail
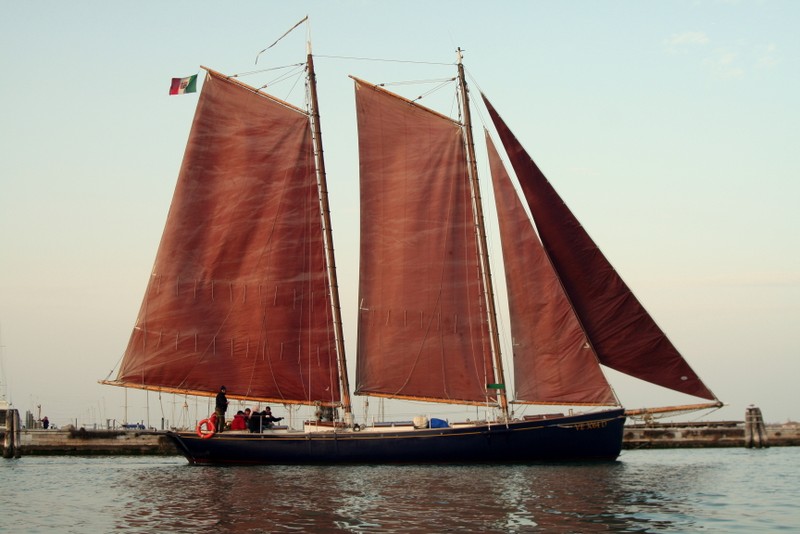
column 553, row 362
column 620, row 330
column 238, row 293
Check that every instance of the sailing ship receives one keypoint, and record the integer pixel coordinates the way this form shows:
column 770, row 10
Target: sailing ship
column 244, row 292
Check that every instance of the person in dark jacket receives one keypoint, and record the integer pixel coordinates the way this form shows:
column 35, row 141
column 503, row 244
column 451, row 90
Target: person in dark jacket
column 254, row 421
column 268, row 419
column 260, row 421
column 221, row 408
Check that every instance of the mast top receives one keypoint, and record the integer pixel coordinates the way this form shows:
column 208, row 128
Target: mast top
column 459, row 54
column 308, row 35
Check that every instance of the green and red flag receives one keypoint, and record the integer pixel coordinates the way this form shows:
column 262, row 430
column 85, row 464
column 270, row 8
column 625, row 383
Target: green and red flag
column 183, row 85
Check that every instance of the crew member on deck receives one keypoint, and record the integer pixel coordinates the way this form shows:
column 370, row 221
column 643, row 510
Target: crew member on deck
column 239, row 421
column 222, row 407
column 268, row 418
column 254, row 421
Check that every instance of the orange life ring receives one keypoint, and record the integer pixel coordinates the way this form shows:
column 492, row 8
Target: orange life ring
column 205, row 428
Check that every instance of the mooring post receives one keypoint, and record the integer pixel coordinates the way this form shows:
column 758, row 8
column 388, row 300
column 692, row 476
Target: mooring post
column 11, row 447
column 755, row 433
column 17, row 436
column 7, row 436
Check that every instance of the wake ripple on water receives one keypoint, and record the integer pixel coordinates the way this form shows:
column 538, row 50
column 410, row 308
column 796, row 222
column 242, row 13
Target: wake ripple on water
column 646, row 491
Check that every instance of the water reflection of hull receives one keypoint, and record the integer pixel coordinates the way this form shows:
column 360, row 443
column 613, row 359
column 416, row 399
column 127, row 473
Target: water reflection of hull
column 595, row 436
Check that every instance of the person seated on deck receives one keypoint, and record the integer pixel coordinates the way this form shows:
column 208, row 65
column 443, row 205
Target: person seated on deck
column 260, row 421
column 268, row 419
column 239, row 422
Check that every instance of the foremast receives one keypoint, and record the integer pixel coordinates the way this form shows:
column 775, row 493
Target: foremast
column 327, row 233
column 477, row 207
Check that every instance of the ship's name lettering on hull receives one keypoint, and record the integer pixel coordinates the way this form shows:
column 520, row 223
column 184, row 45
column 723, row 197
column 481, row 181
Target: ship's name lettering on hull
column 590, row 425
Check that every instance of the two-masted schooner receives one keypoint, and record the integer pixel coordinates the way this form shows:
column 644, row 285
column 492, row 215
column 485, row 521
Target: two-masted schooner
column 244, row 292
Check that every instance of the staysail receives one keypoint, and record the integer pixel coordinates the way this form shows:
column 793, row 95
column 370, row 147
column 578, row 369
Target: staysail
column 620, row 330
column 553, row 362
column 422, row 330
column 238, row 295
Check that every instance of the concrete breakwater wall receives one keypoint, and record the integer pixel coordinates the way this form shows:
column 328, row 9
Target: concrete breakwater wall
column 94, row 442
column 705, row 434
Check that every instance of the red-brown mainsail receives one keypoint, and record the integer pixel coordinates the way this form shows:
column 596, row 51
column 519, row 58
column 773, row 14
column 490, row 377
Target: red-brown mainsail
column 422, row 327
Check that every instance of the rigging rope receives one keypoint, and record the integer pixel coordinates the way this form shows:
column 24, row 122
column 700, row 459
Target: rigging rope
column 385, row 60
column 259, row 71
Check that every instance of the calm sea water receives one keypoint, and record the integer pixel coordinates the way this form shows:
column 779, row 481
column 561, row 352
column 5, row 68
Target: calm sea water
column 708, row 490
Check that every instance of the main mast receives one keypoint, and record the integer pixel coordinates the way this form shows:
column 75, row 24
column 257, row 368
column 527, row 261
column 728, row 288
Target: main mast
column 477, row 207
column 328, row 239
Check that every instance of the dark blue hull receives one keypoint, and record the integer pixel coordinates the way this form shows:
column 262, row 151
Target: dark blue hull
column 595, row 436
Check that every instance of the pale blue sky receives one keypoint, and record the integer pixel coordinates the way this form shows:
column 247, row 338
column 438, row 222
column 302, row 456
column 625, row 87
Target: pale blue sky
column 671, row 129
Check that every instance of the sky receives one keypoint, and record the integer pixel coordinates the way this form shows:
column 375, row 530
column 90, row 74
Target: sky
column 671, row 129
